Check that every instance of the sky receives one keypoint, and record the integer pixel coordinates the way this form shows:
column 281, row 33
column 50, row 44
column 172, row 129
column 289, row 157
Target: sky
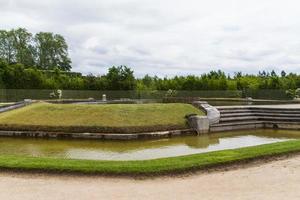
column 167, row 37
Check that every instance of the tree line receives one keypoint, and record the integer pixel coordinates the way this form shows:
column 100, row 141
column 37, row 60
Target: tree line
column 18, row 76
column 41, row 61
column 43, row 50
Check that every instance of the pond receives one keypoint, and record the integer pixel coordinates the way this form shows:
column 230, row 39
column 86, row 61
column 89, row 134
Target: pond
column 141, row 150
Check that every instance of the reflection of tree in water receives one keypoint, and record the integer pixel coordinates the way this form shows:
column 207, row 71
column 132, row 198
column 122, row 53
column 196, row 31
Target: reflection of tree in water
column 202, row 141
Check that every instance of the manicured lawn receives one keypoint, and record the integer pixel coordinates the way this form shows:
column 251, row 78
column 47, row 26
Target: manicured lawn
column 98, row 118
column 149, row 167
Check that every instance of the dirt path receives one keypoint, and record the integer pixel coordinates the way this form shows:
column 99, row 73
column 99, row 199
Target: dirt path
column 275, row 180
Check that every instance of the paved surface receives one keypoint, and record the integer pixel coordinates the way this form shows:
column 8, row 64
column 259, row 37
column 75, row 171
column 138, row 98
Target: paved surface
column 275, row 180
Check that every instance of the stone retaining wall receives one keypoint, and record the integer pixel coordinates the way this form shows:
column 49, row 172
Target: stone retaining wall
column 151, row 135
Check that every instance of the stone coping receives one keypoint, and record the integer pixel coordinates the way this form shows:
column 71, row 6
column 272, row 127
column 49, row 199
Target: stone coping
column 15, row 105
column 104, row 136
column 150, row 135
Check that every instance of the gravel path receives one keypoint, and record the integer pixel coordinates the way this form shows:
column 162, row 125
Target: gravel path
column 274, row 180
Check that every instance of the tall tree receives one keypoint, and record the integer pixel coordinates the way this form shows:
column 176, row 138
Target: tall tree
column 120, row 78
column 52, row 51
column 24, row 47
column 7, row 50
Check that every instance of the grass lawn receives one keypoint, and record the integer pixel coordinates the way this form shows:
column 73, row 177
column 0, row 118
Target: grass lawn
column 149, row 167
column 98, row 118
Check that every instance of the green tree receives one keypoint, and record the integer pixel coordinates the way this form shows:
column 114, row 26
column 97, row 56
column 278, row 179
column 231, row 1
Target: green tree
column 120, row 78
column 23, row 46
column 52, row 51
column 7, row 50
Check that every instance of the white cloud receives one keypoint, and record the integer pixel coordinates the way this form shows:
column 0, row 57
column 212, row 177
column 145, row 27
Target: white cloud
column 167, row 37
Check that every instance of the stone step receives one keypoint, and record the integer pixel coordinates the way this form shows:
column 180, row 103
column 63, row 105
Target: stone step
column 237, row 123
column 271, row 118
column 235, row 111
column 234, row 119
column 292, row 115
column 267, row 113
column 276, row 111
column 253, row 124
column 289, row 119
column 280, row 122
column 233, row 108
column 261, row 110
column 229, row 126
column 236, row 114
column 226, row 108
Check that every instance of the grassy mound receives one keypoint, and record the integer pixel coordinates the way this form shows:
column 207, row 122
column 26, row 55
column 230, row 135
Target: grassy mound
column 114, row 118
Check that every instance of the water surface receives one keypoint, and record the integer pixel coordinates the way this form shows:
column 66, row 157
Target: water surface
column 140, row 150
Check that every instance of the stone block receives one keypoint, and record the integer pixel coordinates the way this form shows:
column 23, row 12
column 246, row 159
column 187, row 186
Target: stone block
column 199, row 123
column 213, row 114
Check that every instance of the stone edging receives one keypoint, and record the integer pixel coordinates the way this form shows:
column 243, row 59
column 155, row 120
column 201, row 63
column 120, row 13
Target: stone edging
column 201, row 124
column 213, row 114
column 150, row 135
column 15, row 106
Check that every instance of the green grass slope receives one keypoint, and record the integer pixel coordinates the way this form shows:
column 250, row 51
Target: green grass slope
column 98, row 118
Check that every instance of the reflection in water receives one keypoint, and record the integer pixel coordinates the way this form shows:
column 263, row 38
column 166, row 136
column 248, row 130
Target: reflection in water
column 202, row 141
column 139, row 150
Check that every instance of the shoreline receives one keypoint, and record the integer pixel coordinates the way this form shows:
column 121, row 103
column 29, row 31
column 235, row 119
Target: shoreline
column 244, row 164
column 155, row 167
column 273, row 180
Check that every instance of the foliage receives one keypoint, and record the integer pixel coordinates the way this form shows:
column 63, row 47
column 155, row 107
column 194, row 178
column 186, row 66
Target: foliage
column 120, row 78
column 41, row 61
column 44, row 50
column 52, row 51
column 17, row 76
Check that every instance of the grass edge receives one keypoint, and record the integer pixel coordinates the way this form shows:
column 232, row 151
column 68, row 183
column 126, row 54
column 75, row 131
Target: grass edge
column 155, row 167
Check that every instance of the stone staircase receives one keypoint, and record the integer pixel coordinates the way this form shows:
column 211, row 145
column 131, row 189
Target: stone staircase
column 252, row 117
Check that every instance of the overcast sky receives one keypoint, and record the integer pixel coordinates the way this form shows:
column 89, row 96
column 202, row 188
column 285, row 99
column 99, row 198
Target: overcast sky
column 167, row 37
